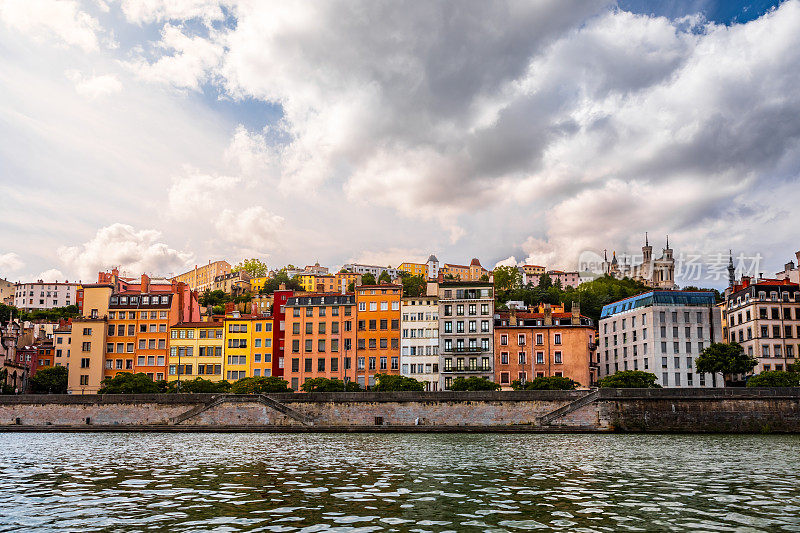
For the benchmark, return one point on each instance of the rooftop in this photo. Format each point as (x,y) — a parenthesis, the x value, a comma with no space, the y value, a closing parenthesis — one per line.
(648,299)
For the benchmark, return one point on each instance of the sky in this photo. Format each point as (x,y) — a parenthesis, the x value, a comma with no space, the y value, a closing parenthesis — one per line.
(158,136)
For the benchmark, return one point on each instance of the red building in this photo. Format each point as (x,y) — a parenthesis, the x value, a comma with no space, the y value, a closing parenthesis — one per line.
(279,299)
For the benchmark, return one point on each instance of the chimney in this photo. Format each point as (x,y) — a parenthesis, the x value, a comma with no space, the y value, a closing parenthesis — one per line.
(548,315)
(282,287)
(254,308)
(745,281)
(512,317)
(145,283)
(576,313)
(229,307)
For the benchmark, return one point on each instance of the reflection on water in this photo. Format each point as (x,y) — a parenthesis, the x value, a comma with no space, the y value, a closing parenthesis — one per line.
(385,482)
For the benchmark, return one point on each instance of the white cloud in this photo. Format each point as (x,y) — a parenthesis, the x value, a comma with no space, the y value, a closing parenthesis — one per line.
(147,11)
(120,245)
(253,228)
(196,195)
(94,86)
(59,20)
(188,66)
(509,261)
(52,275)
(10,262)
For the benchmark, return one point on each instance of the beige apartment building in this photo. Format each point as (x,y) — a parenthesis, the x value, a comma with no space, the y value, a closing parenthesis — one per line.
(201,278)
(764,317)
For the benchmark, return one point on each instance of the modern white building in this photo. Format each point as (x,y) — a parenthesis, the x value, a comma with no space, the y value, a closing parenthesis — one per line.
(661,332)
(433,267)
(41,295)
(419,341)
(375,270)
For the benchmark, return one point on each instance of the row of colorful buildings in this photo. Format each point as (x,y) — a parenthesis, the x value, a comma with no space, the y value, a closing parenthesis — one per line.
(157,327)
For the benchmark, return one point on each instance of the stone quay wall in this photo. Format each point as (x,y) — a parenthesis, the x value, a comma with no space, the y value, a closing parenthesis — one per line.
(605,410)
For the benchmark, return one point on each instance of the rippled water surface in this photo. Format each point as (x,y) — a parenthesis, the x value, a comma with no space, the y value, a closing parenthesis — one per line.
(323,482)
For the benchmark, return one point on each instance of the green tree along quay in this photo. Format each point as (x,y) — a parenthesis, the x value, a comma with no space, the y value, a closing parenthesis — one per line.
(260,385)
(546,383)
(128,383)
(323,385)
(51,380)
(368,279)
(507,278)
(195,386)
(725,359)
(473,383)
(413,286)
(255,267)
(387,382)
(630,379)
(775,378)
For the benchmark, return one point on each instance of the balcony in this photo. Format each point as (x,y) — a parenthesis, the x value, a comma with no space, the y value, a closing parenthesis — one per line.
(465,349)
(592,346)
(476,370)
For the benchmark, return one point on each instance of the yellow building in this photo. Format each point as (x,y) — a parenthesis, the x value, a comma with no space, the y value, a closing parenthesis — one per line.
(257,284)
(196,350)
(86,359)
(202,278)
(346,278)
(319,282)
(247,346)
(415,269)
(533,270)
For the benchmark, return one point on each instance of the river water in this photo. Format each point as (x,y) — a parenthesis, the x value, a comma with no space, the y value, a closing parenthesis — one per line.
(395,482)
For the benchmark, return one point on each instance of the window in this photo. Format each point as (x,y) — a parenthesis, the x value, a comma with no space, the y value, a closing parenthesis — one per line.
(85,362)
(557,358)
(557,338)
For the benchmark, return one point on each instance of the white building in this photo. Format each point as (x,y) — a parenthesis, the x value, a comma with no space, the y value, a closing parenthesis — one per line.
(790,271)
(433,267)
(419,341)
(41,295)
(661,332)
(375,270)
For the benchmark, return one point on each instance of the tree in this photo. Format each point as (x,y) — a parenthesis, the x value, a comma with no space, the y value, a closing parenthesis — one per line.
(214,298)
(506,278)
(127,383)
(384,277)
(387,382)
(255,267)
(630,379)
(323,385)
(274,283)
(723,358)
(200,385)
(775,378)
(260,385)
(368,279)
(545,281)
(717,295)
(484,277)
(52,380)
(546,383)
(473,383)
(413,285)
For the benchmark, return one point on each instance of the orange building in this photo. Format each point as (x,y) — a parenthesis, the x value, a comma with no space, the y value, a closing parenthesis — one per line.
(139,317)
(546,342)
(378,335)
(473,272)
(319,337)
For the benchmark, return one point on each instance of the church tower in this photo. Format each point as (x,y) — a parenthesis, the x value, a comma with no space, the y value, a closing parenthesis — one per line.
(731,271)
(646,270)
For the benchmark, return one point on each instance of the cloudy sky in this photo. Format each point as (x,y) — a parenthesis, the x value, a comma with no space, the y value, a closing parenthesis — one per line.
(157,136)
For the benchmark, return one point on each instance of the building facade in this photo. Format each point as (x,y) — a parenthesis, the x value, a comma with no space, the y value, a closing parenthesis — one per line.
(764,317)
(791,272)
(196,350)
(320,338)
(662,332)
(466,330)
(7,292)
(41,295)
(280,299)
(233,283)
(419,342)
(414,269)
(375,270)
(378,332)
(547,342)
(201,278)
